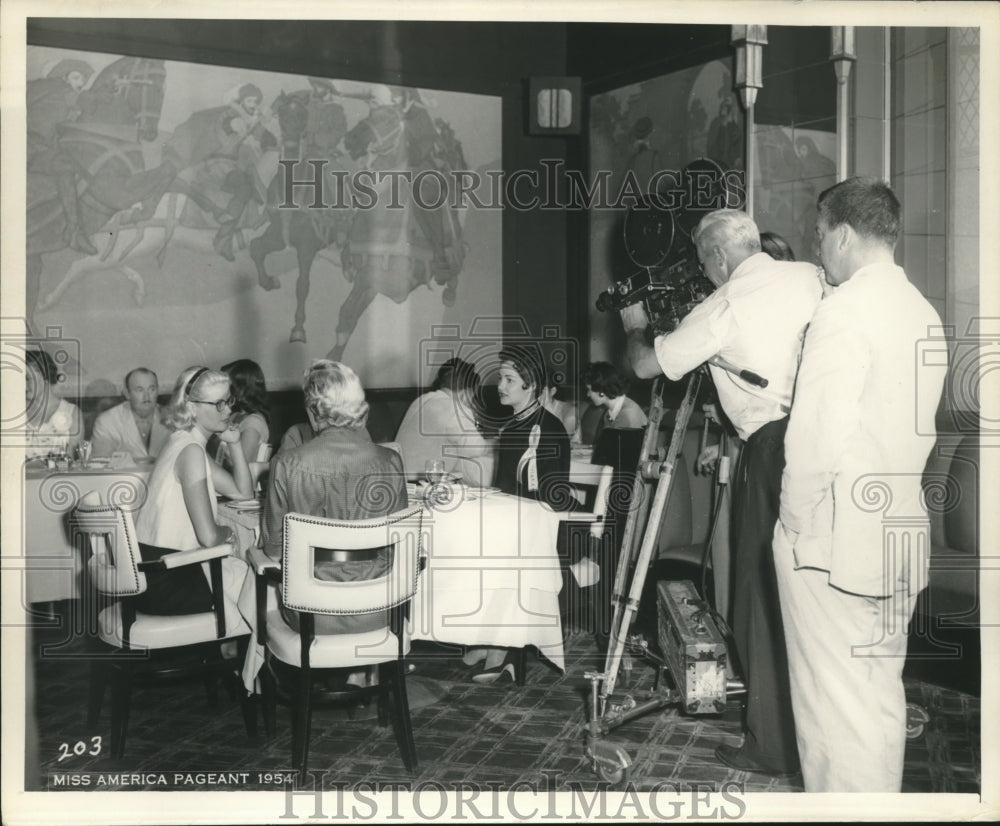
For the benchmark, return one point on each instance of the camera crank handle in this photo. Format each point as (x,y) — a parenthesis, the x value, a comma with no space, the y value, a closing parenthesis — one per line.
(752,378)
(747,375)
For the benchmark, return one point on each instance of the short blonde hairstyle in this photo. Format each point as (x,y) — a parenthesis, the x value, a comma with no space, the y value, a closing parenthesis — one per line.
(192,385)
(729,226)
(334,395)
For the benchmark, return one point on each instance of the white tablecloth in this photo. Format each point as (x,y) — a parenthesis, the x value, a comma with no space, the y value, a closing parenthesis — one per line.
(492,575)
(52,564)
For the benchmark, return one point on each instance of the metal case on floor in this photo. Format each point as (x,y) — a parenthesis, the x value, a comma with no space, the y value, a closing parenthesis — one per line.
(692,647)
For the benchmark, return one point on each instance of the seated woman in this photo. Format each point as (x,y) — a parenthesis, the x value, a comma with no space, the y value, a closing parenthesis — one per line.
(533,459)
(338,474)
(776,246)
(441,424)
(180,509)
(565,411)
(54,426)
(250,414)
(606,388)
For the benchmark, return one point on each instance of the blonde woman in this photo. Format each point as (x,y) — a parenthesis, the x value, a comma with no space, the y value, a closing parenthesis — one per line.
(180,509)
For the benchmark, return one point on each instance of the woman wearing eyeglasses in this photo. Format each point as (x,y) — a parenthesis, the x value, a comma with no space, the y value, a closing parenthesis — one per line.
(180,508)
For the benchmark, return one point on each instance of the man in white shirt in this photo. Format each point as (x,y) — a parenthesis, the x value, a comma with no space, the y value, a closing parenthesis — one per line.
(134,425)
(755,320)
(851,549)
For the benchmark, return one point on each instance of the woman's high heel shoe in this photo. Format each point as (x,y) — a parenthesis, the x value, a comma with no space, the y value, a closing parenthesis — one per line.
(491,675)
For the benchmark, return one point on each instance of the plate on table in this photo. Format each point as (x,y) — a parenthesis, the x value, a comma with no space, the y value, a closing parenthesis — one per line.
(446,479)
(481,493)
(245,504)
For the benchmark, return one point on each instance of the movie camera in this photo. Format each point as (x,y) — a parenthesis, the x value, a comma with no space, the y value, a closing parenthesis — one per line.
(657,238)
(666,302)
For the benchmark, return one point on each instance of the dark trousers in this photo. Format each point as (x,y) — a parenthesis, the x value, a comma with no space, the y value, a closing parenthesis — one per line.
(175,591)
(757,627)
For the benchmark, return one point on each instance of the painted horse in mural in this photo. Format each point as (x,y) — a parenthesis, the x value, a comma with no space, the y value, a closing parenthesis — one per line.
(205,200)
(311,130)
(127,241)
(100,150)
(407,238)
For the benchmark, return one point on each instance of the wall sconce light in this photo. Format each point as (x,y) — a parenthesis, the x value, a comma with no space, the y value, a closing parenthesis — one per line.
(749,42)
(843,54)
(554,105)
(842,51)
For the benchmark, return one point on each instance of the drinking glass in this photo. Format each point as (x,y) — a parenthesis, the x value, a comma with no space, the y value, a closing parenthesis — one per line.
(83,451)
(434,471)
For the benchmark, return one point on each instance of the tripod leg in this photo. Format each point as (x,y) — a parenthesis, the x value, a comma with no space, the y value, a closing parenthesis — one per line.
(624,617)
(638,507)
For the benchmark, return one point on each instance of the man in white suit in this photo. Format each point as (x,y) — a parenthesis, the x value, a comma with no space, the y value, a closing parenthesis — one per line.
(852,542)
(134,425)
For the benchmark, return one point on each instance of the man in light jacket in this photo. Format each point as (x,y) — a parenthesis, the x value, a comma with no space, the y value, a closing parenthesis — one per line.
(134,425)
(852,544)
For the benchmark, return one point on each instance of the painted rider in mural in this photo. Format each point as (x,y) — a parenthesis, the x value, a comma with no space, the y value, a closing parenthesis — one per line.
(52,101)
(424,151)
(725,135)
(644,158)
(218,150)
(327,122)
(247,133)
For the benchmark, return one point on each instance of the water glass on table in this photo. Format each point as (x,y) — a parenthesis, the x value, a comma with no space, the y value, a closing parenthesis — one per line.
(83,451)
(434,470)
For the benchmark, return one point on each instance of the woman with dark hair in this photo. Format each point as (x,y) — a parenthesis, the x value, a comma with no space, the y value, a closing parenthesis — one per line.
(250,413)
(441,424)
(180,509)
(565,411)
(606,388)
(533,459)
(53,425)
(533,449)
(776,246)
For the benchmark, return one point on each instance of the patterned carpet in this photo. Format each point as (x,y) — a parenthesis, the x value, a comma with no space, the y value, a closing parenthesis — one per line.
(496,735)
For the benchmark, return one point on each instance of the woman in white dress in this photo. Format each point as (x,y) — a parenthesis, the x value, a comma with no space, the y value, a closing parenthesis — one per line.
(180,509)
(53,425)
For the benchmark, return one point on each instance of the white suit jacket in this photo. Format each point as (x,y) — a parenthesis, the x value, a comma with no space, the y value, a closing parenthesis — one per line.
(115,429)
(859,434)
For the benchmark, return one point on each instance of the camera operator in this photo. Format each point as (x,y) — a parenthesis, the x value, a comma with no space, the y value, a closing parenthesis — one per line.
(755,319)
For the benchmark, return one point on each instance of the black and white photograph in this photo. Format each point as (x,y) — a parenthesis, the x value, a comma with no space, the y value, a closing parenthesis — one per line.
(499,412)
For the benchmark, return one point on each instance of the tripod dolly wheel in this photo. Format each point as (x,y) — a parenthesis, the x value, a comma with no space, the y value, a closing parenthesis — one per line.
(917,719)
(610,762)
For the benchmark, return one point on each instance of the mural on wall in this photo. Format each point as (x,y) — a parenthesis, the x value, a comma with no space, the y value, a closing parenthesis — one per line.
(668,122)
(163,227)
(794,165)
(664,123)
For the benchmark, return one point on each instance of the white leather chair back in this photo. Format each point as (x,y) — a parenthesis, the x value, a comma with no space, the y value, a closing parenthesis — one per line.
(114,549)
(582,475)
(301,590)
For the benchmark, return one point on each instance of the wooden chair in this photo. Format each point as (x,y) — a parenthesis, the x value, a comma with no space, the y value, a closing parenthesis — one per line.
(260,466)
(117,571)
(586,577)
(303,653)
